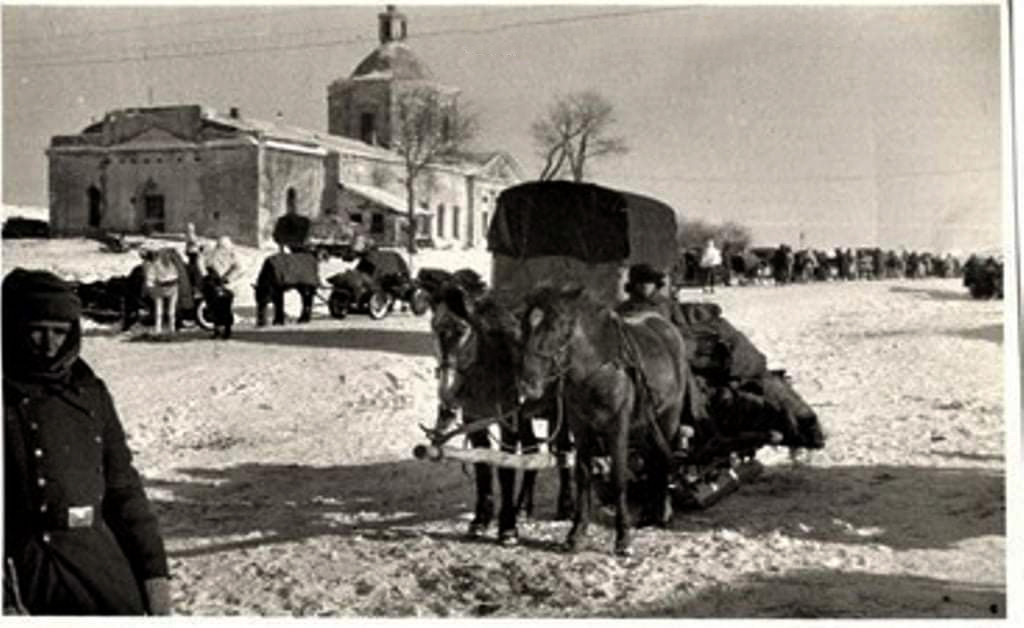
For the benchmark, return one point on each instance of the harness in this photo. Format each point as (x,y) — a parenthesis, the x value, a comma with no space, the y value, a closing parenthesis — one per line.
(629,360)
(632,363)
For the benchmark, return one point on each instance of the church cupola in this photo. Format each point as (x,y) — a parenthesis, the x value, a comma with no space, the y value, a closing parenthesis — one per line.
(361,106)
(392,25)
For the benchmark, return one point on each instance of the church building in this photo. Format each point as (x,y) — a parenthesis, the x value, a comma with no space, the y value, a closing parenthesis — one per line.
(156,169)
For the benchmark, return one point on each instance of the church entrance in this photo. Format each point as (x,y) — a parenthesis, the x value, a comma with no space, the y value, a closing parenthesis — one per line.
(154,213)
(95,206)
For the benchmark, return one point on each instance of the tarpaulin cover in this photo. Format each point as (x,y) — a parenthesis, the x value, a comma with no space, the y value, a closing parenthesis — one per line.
(560,231)
(378,264)
(590,223)
(578,220)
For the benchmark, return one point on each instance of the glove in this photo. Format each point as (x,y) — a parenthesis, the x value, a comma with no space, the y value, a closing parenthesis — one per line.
(158,596)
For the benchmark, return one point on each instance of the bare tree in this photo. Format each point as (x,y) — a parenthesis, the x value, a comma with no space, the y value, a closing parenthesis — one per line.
(429,129)
(573,131)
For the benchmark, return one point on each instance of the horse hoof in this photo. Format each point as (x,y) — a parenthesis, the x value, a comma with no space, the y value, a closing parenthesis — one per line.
(476,530)
(508,538)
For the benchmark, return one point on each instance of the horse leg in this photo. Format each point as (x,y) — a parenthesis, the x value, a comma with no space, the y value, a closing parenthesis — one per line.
(261,305)
(524,503)
(484,489)
(307,303)
(174,321)
(277,296)
(563,444)
(507,533)
(620,452)
(581,514)
(158,313)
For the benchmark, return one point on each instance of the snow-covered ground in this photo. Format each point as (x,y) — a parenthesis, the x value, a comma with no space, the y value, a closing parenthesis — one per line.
(279,464)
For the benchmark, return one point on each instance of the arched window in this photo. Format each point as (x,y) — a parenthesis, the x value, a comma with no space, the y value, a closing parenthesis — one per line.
(290,201)
(455,222)
(95,198)
(440,220)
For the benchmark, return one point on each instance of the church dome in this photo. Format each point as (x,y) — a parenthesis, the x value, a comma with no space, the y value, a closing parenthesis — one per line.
(392,59)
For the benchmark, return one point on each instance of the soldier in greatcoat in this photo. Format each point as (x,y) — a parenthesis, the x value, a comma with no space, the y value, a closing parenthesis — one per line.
(79,535)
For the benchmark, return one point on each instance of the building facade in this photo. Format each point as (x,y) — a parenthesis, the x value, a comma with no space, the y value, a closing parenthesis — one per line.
(156,169)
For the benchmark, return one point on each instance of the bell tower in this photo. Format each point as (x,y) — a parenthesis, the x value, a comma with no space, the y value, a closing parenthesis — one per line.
(361,105)
(392,25)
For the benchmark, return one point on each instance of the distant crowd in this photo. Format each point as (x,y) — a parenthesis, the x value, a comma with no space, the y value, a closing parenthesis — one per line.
(783,265)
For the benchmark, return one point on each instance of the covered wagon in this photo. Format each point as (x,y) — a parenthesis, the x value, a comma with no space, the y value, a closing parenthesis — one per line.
(559,231)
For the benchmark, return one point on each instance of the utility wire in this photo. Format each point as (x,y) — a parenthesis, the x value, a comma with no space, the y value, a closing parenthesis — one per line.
(153,25)
(348,41)
(62,55)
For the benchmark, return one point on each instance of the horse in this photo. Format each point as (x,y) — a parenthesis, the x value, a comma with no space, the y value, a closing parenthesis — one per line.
(782,265)
(477,343)
(619,374)
(282,272)
(161,276)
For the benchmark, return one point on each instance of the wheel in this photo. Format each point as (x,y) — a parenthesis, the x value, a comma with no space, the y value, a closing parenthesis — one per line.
(420,302)
(204,317)
(338,304)
(380,304)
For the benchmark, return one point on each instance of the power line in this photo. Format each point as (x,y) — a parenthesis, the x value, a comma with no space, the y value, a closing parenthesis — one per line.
(154,25)
(342,42)
(60,55)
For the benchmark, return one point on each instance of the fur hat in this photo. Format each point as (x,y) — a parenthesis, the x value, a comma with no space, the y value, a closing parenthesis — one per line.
(36,295)
(645,273)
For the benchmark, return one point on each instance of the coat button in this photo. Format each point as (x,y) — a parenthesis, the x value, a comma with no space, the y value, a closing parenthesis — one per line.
(34,425)
(46,537)
(41,482)
(39,453)
(44,508)
(99,439)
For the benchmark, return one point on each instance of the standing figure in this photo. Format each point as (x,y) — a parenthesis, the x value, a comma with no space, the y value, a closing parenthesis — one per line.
(221,268)
(292,230)
(79,535)
(710,260)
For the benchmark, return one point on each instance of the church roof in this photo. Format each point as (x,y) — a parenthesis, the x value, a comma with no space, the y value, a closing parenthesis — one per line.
(392,60)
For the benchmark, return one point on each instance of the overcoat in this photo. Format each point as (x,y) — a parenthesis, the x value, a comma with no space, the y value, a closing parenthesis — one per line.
(78,529)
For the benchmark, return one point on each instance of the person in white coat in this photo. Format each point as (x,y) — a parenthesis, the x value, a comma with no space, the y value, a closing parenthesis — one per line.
(710,260)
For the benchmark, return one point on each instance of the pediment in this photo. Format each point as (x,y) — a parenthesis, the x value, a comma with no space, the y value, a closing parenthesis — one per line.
(502,167)
(154,135)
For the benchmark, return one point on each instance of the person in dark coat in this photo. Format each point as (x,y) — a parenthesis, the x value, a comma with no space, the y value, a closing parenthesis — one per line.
(643,293)
(79,535)
(292,231)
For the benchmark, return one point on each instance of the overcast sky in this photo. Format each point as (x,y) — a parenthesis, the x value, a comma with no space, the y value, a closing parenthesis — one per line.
(851,125)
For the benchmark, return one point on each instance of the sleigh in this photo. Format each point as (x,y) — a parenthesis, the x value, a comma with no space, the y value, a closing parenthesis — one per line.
(561,232)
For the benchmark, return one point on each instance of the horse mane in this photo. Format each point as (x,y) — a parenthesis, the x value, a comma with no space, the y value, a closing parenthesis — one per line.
(562,300)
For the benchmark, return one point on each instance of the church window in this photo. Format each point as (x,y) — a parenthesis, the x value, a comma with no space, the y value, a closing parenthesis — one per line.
(377,223)
(483,221)
(95,206)
(440,220)
(291,204)
(455,222)
(366,128)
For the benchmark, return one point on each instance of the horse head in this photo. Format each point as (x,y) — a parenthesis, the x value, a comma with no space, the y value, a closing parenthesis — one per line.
(456,342)
(551,318)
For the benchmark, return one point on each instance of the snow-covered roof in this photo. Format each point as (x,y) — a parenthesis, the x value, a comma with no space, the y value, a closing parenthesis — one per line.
(382,197)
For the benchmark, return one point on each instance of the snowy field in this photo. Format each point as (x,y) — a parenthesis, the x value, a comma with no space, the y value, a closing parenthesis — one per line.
(279,464)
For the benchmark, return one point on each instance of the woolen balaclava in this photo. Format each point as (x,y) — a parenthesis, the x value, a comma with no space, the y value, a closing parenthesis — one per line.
(37,295)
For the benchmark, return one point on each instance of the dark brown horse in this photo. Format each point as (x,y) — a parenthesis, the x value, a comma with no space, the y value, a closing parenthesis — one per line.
(624,378)
(478,351)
